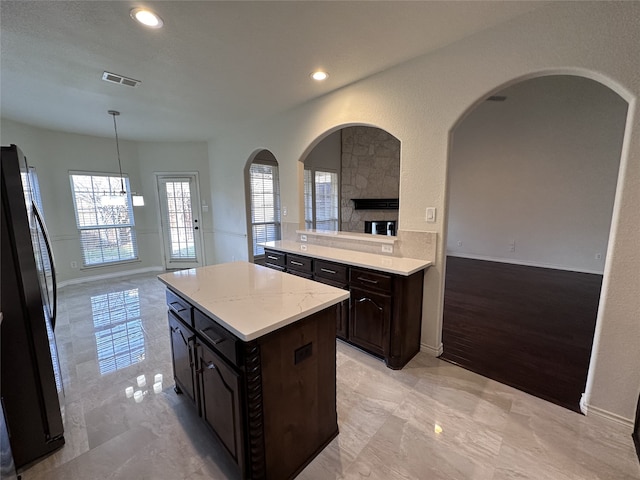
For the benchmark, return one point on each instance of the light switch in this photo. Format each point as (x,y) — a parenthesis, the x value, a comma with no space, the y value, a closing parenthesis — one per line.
(431,214)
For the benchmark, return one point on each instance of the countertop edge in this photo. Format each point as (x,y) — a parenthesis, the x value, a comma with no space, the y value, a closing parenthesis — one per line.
(262,331)
(420,264)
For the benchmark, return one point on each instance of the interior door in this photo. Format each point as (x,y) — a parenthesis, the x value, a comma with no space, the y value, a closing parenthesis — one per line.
(179,215)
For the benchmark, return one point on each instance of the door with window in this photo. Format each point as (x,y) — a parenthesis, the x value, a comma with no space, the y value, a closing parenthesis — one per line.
(179,215)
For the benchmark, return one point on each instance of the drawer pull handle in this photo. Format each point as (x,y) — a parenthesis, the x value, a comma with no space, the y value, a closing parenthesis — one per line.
(216,341)
(176,309)
(293,262)
(271,257)
(326,270)
(368,280)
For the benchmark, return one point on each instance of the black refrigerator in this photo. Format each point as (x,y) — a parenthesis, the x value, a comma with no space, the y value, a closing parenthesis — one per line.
(31,384)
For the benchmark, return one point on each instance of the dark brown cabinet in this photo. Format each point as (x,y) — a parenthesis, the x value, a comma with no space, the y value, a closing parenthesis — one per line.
(220,402)
(384,312)
(182,343)
(271,402)
(370,321)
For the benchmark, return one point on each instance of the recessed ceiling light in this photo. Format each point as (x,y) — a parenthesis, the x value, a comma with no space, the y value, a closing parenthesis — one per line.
(146,17)
(319,75)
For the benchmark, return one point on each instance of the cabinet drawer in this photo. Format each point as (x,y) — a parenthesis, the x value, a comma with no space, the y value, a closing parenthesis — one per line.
(368,279)
(306,275)
(330,271)
(301,264)
(180,307)
(275,258)
(218,337)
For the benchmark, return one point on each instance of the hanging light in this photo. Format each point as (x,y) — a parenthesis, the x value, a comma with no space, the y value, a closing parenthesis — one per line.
(115,198)
(114,114)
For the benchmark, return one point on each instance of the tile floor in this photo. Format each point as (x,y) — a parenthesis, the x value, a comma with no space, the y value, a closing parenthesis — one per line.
(431,420)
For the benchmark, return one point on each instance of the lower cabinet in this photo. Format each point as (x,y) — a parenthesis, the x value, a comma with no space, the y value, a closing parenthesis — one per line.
(182,343)
(370,321)
(271,402)
(384,312)
(220,403)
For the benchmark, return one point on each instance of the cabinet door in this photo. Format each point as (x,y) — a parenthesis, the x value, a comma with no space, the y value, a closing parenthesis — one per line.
(182,357)
(342,320)
(220,400)
(370,320)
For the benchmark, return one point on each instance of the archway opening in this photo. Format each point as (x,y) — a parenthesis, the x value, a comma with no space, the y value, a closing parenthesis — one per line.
(346,175)
(531,186)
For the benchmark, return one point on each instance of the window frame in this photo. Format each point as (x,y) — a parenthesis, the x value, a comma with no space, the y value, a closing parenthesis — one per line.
(311,184)
(97,227)
(277,208)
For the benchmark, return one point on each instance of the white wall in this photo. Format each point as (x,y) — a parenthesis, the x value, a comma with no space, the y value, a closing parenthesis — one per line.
(55,153)
(326,154)
(420,102)
(539,169)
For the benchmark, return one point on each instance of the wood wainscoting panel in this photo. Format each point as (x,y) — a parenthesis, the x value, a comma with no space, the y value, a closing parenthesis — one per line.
(528,327)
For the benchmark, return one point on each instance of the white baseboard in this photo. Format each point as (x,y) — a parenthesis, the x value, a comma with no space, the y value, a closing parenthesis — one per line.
(106,276)
(590,410)
(435,352)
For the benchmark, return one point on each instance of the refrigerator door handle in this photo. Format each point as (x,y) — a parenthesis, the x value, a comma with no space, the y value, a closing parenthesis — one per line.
(45,236)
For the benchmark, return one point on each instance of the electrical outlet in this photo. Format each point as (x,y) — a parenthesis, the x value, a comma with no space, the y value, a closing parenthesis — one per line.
(459,243)
(74,264)
(387,248)
(284,211)
(303,238)
(598,256)
(303,248)
(512,245)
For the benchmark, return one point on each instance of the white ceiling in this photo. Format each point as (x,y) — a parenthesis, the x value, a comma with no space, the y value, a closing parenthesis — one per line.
(215,65)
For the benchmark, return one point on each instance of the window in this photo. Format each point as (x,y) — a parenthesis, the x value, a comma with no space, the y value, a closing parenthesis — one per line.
(104,218)
(265,203)
(31,186)
(321,199)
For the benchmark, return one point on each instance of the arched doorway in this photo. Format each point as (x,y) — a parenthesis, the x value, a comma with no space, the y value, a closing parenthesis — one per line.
(532,178)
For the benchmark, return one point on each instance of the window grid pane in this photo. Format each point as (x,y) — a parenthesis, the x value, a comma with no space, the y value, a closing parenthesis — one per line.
(180,220)
(104,219)
(265,204)
(326,191)
(308,199)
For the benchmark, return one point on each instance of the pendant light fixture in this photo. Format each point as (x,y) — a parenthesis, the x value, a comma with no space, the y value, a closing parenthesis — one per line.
(120,198)
(114,114)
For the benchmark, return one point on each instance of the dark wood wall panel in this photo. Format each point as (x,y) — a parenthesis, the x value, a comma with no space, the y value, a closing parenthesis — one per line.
(528,327)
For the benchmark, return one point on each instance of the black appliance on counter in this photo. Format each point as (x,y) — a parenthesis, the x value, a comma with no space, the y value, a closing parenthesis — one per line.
(380,227)
(31,385)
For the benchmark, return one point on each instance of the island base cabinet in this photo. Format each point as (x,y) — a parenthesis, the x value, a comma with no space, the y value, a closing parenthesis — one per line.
(271,401)
(182,341)
(299,393)
(220,401)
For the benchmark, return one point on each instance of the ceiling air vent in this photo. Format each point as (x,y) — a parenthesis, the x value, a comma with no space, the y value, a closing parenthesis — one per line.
(119,79)
(496,98)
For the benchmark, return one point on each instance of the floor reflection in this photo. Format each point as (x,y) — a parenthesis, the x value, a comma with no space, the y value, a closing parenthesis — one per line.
(118,330)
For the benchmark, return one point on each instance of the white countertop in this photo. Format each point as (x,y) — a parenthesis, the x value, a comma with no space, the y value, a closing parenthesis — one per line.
(384,263)
(250,300)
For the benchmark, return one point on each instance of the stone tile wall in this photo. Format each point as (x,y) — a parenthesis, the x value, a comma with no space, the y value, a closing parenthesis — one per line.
(370,169)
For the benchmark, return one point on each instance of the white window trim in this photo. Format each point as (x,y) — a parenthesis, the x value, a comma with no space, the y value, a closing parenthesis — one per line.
(278,209)
(131,225)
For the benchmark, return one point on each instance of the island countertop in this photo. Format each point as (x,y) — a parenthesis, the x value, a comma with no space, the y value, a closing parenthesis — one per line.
(250,300)
(383,263)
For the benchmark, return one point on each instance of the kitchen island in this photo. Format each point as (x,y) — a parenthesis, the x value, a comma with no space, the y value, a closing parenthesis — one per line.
(254,351)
